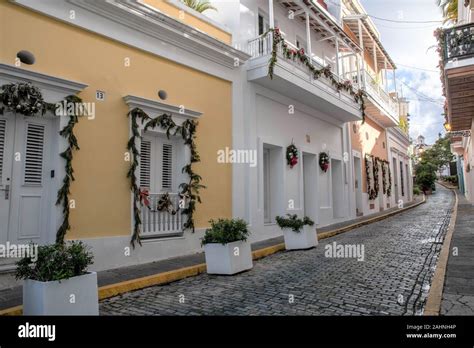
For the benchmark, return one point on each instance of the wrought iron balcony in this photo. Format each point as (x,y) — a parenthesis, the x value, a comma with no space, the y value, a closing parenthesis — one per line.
(459,42)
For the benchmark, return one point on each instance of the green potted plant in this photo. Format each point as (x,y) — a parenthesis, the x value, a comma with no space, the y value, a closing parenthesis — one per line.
(56,281)
(226,248)
(298,233)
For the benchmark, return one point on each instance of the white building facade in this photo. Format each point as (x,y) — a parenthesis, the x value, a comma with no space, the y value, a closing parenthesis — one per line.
(292,108)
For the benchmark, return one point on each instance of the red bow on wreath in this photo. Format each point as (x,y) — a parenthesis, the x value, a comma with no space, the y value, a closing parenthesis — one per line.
(144,197)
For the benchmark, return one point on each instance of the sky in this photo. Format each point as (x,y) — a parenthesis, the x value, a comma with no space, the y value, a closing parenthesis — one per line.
(413,45)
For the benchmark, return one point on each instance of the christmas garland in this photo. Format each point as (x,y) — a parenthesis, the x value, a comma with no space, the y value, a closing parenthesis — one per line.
(27,100)
(63,194)
(441,38)
(292,155)
(188,191)
(372,192)
(290,53)
(387,188)
(375,170)
(324,161)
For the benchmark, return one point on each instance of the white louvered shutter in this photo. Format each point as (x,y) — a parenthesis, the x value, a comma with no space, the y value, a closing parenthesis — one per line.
(167,167)
(3,126)
(145,164)
(33,174)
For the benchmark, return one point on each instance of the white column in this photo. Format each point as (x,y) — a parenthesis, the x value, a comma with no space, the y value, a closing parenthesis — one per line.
(359,77)
(362,60)
(375,59)
(337,56)
(308,36)
(270,12)
(385,73)
(394,80)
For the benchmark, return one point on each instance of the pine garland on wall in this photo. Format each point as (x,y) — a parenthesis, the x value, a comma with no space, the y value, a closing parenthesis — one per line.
(63,194)
(290,53)
(375,171)
(189,191)
(372,192)
(27,100)
(387,187)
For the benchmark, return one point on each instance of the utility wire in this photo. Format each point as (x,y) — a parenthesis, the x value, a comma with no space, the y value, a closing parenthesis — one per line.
(421,95)
(387,19)
(400,21)
(415,68)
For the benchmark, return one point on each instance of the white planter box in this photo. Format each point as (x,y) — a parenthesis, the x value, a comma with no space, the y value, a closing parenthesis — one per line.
(55,297)
(304,239)
(229,258)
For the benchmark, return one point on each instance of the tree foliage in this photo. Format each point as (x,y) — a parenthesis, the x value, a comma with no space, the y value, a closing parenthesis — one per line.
(199,5)
(425,175)
(439,154)
(450,10)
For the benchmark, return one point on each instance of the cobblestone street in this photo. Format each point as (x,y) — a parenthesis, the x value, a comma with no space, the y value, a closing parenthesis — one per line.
(393,279)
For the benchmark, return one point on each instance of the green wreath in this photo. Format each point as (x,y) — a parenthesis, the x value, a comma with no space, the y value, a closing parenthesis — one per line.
(324,161)
(292,155)
(27,100)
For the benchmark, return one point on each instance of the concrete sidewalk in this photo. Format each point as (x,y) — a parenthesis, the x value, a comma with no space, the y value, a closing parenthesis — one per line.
(458,293)
(191,264)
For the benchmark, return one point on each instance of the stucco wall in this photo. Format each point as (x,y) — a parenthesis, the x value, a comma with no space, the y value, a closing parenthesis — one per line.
(101,189)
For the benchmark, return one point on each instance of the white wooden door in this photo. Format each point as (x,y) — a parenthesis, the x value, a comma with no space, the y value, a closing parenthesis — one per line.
(26,172)
(7,131)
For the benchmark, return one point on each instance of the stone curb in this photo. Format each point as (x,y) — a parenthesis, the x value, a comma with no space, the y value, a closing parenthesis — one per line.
(435,296)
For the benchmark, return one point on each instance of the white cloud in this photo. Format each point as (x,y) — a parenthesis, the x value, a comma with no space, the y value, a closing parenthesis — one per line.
(413,45)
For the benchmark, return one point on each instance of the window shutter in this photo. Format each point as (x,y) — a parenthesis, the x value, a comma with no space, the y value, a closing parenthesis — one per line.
(145,163)
(167,167)
(33,174)
(3,126)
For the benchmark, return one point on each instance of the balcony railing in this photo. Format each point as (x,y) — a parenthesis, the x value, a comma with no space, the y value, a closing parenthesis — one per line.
(459,42)
(263,46)
(374,89)
(161,223)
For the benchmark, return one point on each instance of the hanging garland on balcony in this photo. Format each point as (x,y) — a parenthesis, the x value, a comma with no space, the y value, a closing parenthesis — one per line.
(189,191)
(300,55)
(371,191)
(27,100)
(324,161)
(441,38)
(292,155)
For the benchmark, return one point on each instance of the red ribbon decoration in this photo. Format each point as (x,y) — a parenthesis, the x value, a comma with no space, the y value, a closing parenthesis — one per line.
(144,197)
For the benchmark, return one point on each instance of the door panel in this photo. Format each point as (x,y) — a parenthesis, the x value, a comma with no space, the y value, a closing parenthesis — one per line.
(31,204)
(7,131)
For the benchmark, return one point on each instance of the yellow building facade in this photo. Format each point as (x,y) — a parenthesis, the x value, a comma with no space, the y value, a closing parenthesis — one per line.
(112,68)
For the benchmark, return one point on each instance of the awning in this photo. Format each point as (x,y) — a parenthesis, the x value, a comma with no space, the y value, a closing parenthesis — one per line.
(322,22)
(370,40)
